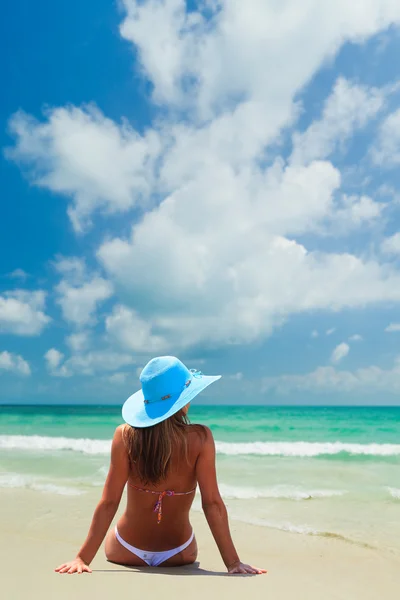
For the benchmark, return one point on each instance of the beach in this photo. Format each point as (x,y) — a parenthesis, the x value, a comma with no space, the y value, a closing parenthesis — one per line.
(40,530)
(313,496)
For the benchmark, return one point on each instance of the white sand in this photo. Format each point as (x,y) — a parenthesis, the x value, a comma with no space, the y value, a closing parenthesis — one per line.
(39,531)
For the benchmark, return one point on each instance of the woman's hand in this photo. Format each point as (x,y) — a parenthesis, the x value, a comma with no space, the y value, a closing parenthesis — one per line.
(239,567)
(74,566)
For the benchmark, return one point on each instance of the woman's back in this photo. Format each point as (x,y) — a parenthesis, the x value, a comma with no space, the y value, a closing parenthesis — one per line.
(161,458)
(157,515)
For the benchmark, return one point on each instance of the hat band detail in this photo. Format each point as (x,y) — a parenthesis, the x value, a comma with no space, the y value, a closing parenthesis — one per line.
(168,396)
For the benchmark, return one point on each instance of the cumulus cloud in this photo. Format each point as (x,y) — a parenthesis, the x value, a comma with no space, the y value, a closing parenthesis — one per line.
(235,287)
(94,362)
(81,154)
(340,352)
(118,378)
(236,376)
(71,268)
(78,341)
(132,332)
(353,211)
(391,245)
(393,327)
(356,338)
(53,358)
(14,363)
(80,293)
(350,107)
(78,304)
(386,152)
(369,379)
(229,49)
(220,253)
(19,274)
(220,74)
(22,312)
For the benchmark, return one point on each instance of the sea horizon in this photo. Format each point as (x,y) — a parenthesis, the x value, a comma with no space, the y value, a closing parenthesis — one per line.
(210,405)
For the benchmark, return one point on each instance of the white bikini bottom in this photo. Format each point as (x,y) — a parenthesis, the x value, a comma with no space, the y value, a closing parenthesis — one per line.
(153,559)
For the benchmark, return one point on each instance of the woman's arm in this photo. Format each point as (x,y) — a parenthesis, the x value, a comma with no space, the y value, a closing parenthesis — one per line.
(106,508)
(215,509)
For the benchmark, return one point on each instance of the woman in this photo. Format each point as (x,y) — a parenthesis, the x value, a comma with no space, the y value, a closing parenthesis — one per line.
(162,457)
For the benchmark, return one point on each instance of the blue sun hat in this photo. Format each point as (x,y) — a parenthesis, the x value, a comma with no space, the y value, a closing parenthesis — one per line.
(167,386)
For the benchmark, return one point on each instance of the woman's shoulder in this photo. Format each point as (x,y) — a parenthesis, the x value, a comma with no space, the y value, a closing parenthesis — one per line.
(120,435)
(119,430)
(200,433)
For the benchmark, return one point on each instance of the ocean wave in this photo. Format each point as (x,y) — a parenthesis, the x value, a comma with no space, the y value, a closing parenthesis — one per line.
(305,449)
(290,449)
(394,492)
(302,530)
(42,443)
(17,480)
(277,492)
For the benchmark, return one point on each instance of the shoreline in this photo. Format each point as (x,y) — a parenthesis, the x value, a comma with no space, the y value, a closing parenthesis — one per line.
(40,530)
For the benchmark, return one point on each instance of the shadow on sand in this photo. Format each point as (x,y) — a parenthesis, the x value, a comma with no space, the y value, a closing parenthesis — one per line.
(191,570)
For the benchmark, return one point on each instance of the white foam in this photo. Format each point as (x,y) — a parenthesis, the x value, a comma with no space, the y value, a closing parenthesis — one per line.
(305,449)
(41,443)
(277,492)
(294,449)
(17,480)
(395,493)
(285,526)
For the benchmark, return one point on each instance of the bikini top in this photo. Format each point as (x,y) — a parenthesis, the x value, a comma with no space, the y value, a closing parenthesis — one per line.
(161,495)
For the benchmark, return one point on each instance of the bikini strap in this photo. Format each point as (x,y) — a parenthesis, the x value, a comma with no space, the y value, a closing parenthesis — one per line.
(161,495)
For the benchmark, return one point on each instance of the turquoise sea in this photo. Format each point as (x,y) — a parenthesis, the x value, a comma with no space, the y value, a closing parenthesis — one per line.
(313,471)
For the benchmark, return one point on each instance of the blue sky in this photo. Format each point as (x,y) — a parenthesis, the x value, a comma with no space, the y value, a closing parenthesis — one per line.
(217,181)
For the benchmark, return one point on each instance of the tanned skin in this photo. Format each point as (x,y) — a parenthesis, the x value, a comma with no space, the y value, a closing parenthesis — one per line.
(138,524)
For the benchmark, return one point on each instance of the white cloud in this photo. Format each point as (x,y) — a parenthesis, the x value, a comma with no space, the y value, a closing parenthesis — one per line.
(233,54)
(370,379)
(118,378)
(79,293)
(78,341)
(234,287)
(235,58)
(386,151)
(132,332)
(80,153)
(53,358)
(19,274)
(314,333)
(71,268)
(78,304)
(348,108)
(236,376)
(356,338)
(340,352)
(393,327)
(90,363)
(356,211)
(97,361)
(216,258)
(14,363)
(391,245)
(330,331)
(22,312)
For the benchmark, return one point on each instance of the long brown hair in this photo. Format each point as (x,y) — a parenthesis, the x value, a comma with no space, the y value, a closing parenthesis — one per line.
(151,448)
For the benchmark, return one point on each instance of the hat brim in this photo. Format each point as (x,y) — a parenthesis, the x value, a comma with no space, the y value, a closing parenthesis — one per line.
(138,414)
